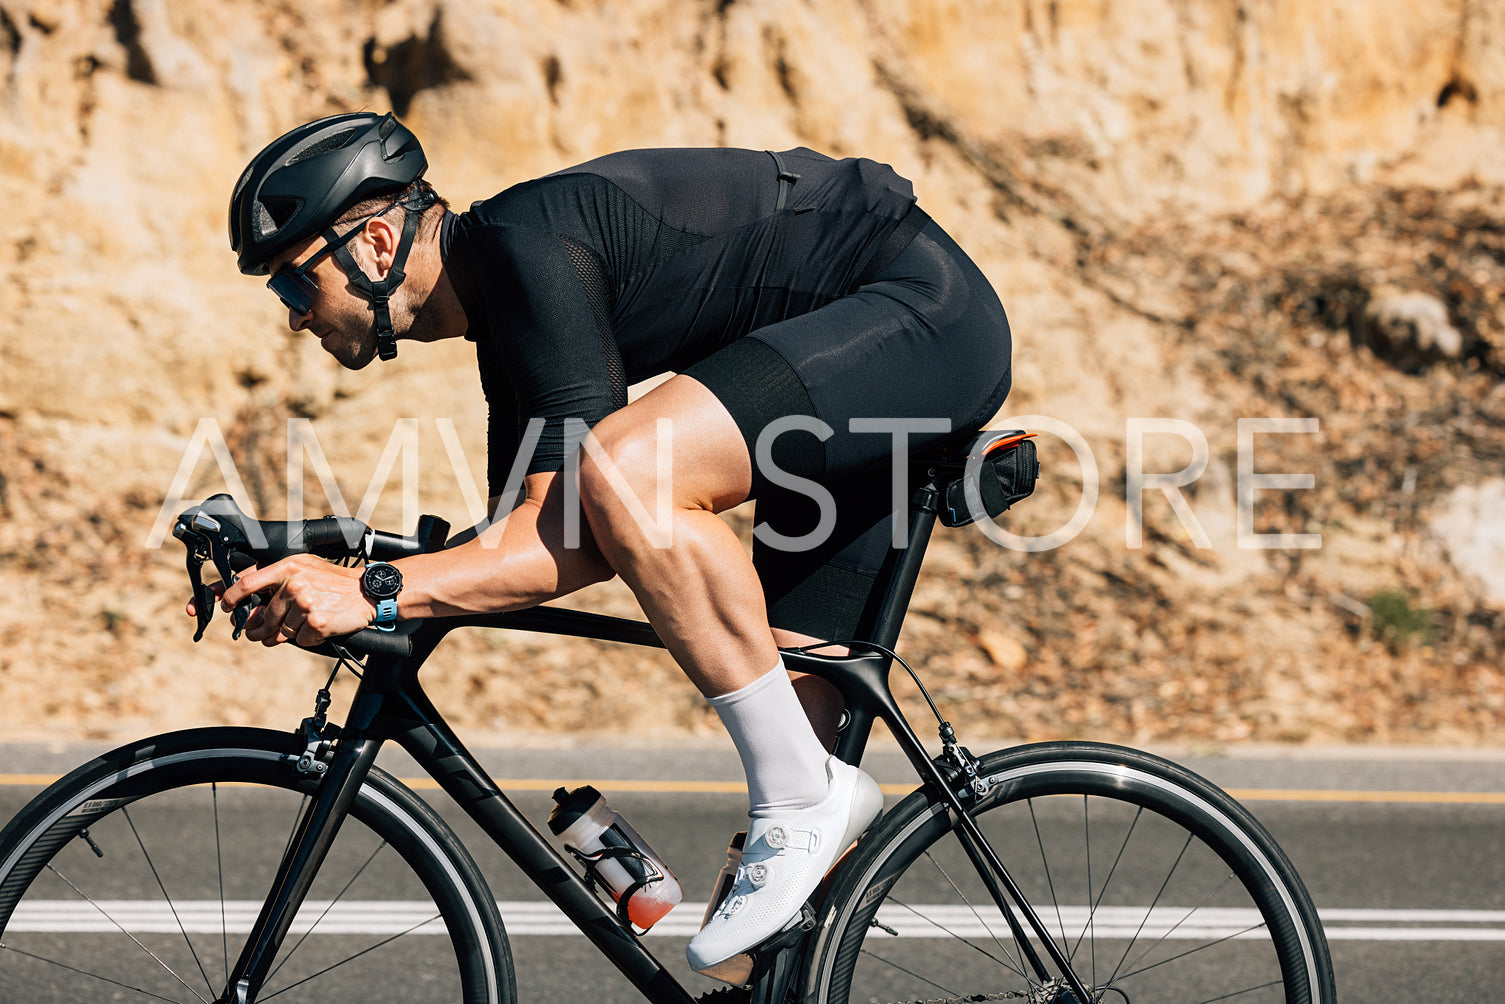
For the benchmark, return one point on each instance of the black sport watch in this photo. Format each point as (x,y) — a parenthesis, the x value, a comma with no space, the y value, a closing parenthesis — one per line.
(381,583)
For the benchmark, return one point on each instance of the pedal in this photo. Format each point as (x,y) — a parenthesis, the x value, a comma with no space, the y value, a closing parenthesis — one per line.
(774,961)
(740,969)
(737,971)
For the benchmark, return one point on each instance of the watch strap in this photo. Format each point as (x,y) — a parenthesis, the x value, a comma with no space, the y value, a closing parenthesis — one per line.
(386,614)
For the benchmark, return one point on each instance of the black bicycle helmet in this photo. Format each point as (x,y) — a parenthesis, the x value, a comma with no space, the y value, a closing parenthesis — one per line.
(306,178)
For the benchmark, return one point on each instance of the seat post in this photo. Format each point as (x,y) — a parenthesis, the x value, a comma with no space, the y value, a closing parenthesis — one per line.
(901,569)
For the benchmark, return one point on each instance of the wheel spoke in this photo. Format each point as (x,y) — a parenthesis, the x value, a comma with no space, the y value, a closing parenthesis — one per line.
(167,898)
(1092,904)
(909,972)
(329,906)
(1014,962)
(1151,910)
(1191,951)
(1240,993)
(1096,902)
(1045,869)
(352,958)
(1009,963)
(1133,967)
(219,868)
(119,927)
(93,976)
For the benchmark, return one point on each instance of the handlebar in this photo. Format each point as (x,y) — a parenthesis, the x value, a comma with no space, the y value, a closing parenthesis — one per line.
(218,532)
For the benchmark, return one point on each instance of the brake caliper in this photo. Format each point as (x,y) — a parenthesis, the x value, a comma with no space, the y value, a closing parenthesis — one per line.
(960,764)
(319,735)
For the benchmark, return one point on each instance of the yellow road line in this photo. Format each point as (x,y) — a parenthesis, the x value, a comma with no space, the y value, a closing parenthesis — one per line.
(1404,797)
(737,787)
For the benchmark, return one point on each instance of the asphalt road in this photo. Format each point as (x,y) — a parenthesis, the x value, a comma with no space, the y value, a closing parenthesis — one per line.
(1401,850)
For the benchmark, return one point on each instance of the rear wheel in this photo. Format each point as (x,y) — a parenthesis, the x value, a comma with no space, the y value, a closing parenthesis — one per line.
(138,876)
(1156,885)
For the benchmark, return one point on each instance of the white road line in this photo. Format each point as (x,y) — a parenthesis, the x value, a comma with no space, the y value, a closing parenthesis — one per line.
(523,918)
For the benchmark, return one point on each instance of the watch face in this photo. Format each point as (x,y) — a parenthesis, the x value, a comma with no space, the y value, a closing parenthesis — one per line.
(381,582)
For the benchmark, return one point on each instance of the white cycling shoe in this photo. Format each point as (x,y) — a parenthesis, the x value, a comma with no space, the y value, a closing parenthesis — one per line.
(783,861)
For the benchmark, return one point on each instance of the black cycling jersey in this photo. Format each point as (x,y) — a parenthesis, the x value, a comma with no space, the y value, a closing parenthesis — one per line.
(638,263)
(788,284)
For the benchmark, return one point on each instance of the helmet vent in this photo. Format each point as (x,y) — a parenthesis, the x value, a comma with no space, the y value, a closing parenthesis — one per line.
(280,210)
(265,225)
(323,146)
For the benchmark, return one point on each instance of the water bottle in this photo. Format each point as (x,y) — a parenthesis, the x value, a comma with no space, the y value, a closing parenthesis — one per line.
(615,856)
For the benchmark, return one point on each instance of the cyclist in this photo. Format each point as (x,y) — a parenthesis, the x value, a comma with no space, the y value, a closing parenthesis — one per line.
(788,293)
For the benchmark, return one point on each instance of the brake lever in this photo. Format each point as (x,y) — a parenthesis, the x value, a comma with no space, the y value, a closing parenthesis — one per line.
(210,539)
(242,613)
(204,600)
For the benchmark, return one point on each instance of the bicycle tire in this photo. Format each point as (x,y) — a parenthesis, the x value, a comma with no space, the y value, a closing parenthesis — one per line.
(1157,885)
(121,879)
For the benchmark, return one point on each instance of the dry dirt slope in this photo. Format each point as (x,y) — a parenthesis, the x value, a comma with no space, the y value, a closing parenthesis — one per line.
(1190,210)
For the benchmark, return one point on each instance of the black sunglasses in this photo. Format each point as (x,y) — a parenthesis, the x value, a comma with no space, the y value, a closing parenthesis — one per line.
(295,287)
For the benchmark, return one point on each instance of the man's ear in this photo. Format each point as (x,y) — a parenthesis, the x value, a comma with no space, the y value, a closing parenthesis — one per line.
(382,238)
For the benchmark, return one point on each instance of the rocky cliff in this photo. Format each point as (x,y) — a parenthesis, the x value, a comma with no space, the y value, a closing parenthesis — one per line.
(1197,214)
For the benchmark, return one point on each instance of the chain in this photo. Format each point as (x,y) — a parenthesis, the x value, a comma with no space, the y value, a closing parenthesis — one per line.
(975,998)
(739,995)
(1038,995)
(1044,994)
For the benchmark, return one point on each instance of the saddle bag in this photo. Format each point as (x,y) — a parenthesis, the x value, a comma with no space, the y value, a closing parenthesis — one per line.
(1005,474)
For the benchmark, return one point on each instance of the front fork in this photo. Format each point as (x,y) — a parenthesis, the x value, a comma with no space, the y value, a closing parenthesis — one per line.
(341,778)
(961,766)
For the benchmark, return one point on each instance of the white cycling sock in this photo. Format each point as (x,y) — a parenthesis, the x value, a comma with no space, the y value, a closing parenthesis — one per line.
(784,762)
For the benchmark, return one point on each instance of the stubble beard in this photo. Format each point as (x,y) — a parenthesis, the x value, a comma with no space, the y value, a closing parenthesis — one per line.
(353,352)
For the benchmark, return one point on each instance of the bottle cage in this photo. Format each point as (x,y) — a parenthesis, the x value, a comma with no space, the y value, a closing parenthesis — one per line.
(594,860)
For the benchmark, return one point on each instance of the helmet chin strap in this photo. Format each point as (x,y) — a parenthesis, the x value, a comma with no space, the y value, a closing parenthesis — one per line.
(379,291)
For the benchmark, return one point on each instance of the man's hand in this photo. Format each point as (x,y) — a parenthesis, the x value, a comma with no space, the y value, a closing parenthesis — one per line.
(312,601)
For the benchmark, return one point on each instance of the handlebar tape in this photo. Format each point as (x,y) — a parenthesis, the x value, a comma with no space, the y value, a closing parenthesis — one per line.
(370,641)
(338,535)
(333,537)
(330,537)
(387,546)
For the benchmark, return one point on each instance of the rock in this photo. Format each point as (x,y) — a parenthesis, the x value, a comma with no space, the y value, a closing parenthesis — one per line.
(1409,330)
(1468,524)
(1037,133)
(1003,651)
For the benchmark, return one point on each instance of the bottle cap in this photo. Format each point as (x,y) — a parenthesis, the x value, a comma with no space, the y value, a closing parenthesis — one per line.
(571,805)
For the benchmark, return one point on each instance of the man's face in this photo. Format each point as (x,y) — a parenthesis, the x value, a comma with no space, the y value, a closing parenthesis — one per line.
(340,318)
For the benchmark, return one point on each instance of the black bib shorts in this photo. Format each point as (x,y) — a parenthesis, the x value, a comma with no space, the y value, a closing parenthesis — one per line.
(808,294)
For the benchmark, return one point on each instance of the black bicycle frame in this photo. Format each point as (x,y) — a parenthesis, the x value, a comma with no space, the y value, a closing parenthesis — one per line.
(390,704)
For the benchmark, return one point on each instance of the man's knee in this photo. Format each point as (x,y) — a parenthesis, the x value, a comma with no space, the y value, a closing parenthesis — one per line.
(623,477)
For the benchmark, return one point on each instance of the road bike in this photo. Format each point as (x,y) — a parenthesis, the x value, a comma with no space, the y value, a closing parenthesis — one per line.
(1051,873)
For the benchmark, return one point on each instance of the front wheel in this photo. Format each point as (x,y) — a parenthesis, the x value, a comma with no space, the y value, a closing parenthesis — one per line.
(137,877)
(1156,885)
